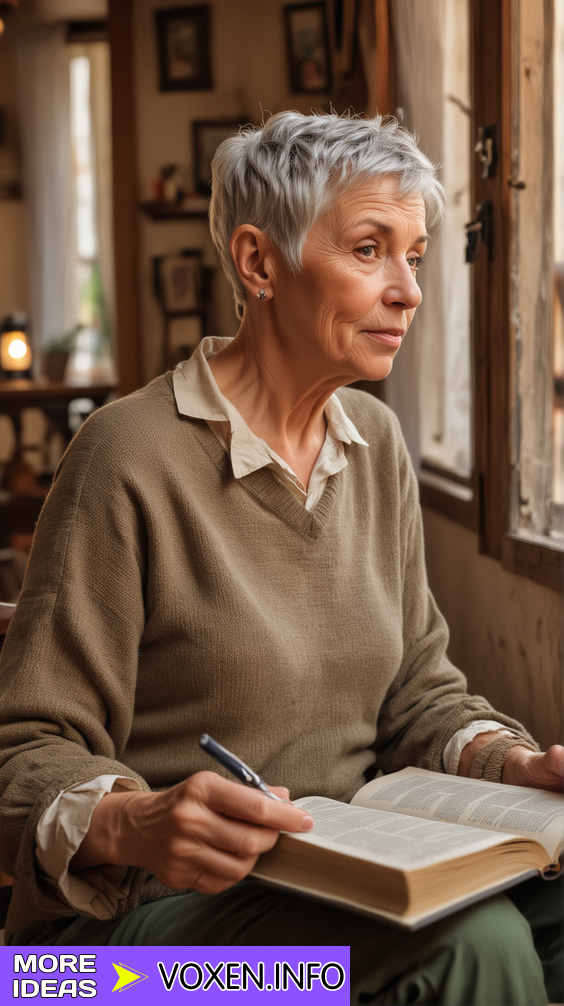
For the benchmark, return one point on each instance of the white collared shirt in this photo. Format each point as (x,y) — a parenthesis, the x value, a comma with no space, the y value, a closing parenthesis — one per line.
(198,396)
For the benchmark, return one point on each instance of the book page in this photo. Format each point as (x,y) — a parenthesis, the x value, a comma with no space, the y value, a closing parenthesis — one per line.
(394,840)
(531,813)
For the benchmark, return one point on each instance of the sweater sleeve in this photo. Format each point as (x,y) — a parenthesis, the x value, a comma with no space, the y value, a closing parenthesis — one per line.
(69,663)
(427,703)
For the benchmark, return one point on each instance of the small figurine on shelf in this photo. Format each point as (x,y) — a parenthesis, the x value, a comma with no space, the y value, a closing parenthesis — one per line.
(169,186)
(172,197)
(173,183)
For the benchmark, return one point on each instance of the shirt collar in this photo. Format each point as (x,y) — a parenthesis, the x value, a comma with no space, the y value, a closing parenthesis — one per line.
(195,388)
(198,396)
(339,425)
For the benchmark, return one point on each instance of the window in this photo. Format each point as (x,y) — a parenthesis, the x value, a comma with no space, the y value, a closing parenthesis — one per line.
(535,245)
(433,97)
(489,437)
(89,133)
(558,257)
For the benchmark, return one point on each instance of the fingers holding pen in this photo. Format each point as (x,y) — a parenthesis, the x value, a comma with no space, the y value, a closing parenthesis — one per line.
(205,833)
(263,815)
(208,825)
(237,818)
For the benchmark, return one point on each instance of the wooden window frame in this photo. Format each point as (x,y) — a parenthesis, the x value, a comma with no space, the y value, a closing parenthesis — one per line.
(485,506)
(125,197)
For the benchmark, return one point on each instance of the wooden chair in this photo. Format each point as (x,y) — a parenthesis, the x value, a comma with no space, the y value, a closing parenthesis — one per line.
(6,612)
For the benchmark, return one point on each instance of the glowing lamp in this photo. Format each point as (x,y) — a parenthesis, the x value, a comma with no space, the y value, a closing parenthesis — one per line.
(15,351)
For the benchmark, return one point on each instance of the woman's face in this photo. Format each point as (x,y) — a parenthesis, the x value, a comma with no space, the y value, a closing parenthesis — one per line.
(348,309)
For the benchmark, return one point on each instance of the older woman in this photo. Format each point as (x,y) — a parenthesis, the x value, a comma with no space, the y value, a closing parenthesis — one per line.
(237,549)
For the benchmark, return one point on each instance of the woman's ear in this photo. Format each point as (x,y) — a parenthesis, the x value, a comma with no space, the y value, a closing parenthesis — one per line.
(251,251)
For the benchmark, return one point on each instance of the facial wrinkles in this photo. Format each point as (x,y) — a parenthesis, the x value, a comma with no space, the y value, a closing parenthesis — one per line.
(354,289)
(394,228)
(327,311)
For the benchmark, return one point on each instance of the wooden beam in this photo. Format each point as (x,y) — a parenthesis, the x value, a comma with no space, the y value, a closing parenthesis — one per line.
(491,279)
(383,88)
(125,196)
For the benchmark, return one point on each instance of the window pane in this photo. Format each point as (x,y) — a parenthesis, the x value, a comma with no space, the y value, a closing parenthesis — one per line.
(558,290)
(89,78)
(82,156)
(432,45)
(536,170)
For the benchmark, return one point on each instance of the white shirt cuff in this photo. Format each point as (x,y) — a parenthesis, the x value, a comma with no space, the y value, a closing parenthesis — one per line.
(459,740)
(94,892)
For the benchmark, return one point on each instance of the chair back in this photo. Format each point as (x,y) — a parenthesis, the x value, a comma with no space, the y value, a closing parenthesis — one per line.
(6,613)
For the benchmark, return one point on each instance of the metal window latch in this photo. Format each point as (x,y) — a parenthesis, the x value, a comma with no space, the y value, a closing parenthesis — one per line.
(487,150)
(481,226)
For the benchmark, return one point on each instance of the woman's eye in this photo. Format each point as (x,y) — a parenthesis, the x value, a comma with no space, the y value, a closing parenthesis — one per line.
(415,262)
(366,250)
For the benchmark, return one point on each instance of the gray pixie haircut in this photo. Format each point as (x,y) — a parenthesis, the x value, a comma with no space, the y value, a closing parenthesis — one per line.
(283,176)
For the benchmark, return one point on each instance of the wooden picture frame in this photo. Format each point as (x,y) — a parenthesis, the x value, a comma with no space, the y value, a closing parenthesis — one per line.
(178,282)
(184,48)
(207,136)
(308,48)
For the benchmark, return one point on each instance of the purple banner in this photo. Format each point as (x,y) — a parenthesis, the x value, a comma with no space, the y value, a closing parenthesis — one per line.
(171,974)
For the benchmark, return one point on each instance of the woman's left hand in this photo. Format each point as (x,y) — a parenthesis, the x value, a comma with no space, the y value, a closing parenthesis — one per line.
(543,770)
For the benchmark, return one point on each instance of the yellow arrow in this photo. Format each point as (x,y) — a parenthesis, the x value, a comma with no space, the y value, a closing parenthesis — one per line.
(126,976)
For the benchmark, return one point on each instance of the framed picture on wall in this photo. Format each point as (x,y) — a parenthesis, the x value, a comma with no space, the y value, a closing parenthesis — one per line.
(207,136)
(184,44)
(178,282)
(308,47)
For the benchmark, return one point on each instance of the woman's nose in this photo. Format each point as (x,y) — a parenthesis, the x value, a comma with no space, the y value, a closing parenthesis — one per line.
(403,289)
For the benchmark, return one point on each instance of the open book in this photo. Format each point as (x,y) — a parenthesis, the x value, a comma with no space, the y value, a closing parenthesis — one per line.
(416,845)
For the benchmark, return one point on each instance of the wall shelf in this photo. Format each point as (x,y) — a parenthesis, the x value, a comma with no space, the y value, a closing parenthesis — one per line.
(173,211)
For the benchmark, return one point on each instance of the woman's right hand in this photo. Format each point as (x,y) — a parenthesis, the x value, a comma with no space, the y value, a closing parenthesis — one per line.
(206,833)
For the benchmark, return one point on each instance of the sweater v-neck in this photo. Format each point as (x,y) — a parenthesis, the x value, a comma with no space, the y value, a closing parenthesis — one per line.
(265,487)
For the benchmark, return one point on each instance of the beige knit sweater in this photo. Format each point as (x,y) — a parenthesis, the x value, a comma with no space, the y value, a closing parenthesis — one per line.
(164,599)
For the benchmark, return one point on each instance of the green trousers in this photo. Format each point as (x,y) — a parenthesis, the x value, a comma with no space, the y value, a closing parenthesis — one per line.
(506,951)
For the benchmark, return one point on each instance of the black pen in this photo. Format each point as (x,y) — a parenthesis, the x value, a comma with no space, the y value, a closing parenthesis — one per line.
(236,766)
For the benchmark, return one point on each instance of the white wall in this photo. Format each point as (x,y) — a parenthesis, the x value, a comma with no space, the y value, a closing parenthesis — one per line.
(506,630)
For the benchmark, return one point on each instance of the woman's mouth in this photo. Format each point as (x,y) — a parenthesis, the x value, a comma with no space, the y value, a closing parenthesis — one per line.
(387,336)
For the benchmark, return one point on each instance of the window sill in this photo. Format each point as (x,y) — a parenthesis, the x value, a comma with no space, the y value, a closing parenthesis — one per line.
(452,499)
(539,559)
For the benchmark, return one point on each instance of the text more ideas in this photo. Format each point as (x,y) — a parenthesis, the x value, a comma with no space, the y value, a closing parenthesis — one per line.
(54,988)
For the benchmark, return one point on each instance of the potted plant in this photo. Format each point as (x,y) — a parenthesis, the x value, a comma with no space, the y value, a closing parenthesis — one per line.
(56,352)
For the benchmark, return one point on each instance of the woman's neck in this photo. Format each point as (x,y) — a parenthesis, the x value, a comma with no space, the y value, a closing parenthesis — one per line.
(277,397)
